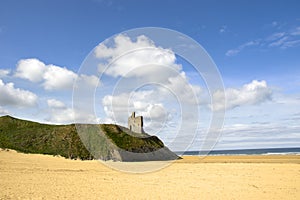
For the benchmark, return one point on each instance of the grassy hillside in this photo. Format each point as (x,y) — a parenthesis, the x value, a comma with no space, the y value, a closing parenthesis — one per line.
(129,143)
(32,137)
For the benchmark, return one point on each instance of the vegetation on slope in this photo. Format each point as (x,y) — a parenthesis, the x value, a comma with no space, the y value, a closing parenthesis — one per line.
(129,143)
(31,137)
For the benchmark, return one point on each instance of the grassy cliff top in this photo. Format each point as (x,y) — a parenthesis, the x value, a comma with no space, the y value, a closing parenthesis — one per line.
(123,138)
(32,137)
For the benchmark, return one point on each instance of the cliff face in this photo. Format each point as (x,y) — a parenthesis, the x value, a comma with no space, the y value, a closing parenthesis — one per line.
(83,141)
(133,146)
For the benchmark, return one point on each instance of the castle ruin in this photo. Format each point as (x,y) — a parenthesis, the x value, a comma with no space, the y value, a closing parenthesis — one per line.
(135,124)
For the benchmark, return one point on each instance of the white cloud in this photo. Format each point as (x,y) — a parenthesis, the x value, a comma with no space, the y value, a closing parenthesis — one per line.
(122,104)
(143,101)
(140,58)
(31,69)
(237,50)
(53,103)
(296,31)
(4,72)
(56,78)
(156,117)
(117,109)
(158,105)
(275,36)
(155,111)
(62,116)
(232,52)
(139,62)
(250,94)
(288,44)
(9,95)
(52,77)
(88,80)
(184,91)
(122,45)
(283,40)
(279,41)
(3,111)
(59,113)
(251,136)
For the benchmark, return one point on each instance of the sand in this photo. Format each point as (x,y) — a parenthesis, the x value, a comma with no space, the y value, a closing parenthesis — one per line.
(32,176)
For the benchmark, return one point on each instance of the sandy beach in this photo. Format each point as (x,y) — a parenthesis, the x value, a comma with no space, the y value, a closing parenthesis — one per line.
(33,176)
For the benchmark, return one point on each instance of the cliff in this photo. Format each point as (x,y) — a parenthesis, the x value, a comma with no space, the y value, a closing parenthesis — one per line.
(101,141)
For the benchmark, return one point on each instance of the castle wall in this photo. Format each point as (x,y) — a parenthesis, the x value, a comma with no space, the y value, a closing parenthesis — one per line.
(135,124)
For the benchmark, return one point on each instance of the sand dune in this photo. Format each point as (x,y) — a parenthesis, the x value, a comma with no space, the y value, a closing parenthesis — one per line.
(31,176)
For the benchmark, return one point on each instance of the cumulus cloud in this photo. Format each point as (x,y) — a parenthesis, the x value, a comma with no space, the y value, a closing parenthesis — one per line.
(159,107)
(140,58)
(88,80)
(117,107)
(62,116)
(9,95)
(143,102)
(53,103)
(150,102)
(31,69)
(135,62)
(52,77)
(4,72)
(184,91)
(250,94)
(58,78)
(60,113)
(122,45)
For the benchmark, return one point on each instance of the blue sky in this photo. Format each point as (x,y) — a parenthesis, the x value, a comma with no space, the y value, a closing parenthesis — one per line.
(253,43)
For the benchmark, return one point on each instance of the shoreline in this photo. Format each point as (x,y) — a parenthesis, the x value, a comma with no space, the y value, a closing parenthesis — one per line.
(243,159)
(270,158)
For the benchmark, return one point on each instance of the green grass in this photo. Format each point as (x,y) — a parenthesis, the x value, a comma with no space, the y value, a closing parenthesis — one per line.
(31,137)
(129,143)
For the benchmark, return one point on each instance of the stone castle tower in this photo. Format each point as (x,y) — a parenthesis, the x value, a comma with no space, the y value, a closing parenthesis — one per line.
(135,124)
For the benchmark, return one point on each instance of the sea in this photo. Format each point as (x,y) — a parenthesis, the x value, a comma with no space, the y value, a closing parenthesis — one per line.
(268,151)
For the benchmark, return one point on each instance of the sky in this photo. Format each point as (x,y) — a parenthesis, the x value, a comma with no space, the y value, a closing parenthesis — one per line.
(46,45)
